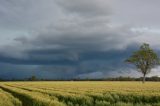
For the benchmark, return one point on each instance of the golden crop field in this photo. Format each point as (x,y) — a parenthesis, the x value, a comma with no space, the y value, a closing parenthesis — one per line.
(87,93)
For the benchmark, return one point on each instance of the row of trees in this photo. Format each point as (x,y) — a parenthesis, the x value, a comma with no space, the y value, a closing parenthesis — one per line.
(121,78)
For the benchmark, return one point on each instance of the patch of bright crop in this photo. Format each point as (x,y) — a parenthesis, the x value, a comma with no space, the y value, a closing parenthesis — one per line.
(87,93)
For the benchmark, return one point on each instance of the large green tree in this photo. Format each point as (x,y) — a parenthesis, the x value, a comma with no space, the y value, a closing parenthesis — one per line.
(144,59)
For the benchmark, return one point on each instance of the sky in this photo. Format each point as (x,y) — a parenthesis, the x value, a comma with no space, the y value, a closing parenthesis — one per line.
(63,39)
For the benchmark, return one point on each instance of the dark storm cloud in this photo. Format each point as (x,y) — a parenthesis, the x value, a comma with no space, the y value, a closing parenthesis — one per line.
(88,65)
(73,38)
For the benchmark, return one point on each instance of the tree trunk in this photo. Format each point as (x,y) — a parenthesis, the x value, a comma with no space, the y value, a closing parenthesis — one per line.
(144,78)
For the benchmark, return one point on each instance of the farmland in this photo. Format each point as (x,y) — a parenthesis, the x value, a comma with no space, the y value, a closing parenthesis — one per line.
(71,93)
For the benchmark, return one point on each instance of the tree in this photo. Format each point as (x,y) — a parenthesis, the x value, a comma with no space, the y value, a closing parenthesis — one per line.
(32,78)
(144,59)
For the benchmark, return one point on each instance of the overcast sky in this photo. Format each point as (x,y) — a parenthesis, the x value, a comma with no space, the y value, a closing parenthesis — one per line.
(75,38)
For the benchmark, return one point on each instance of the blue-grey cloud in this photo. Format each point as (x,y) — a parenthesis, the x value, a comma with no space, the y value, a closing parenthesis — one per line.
(70,39)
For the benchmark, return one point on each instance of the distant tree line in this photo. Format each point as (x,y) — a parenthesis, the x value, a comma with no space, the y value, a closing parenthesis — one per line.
(34,78)
(153,78)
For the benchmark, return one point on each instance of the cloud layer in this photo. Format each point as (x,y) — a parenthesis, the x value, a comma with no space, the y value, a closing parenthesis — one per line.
(55,38)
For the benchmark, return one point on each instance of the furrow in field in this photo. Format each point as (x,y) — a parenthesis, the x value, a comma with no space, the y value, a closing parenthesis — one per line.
(95,93)
(67,98)
(95,98)
(47,89)
(29,98)
(7,99)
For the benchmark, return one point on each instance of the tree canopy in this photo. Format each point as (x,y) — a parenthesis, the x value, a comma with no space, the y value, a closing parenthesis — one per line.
(144,59)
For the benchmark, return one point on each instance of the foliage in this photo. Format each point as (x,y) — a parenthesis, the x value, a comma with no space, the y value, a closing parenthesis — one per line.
(32,78)
(144,59)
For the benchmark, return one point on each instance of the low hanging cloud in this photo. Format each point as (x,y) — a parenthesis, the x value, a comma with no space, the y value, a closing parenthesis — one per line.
(77,38)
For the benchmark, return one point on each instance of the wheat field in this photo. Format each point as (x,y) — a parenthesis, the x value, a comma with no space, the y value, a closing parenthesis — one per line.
(82,93)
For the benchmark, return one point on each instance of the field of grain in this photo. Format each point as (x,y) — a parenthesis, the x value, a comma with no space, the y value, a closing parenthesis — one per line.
(79,93)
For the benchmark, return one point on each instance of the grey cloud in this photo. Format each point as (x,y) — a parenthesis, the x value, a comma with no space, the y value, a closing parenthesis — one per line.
(89,8)
(27,14)
(138,13)
(80,38)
